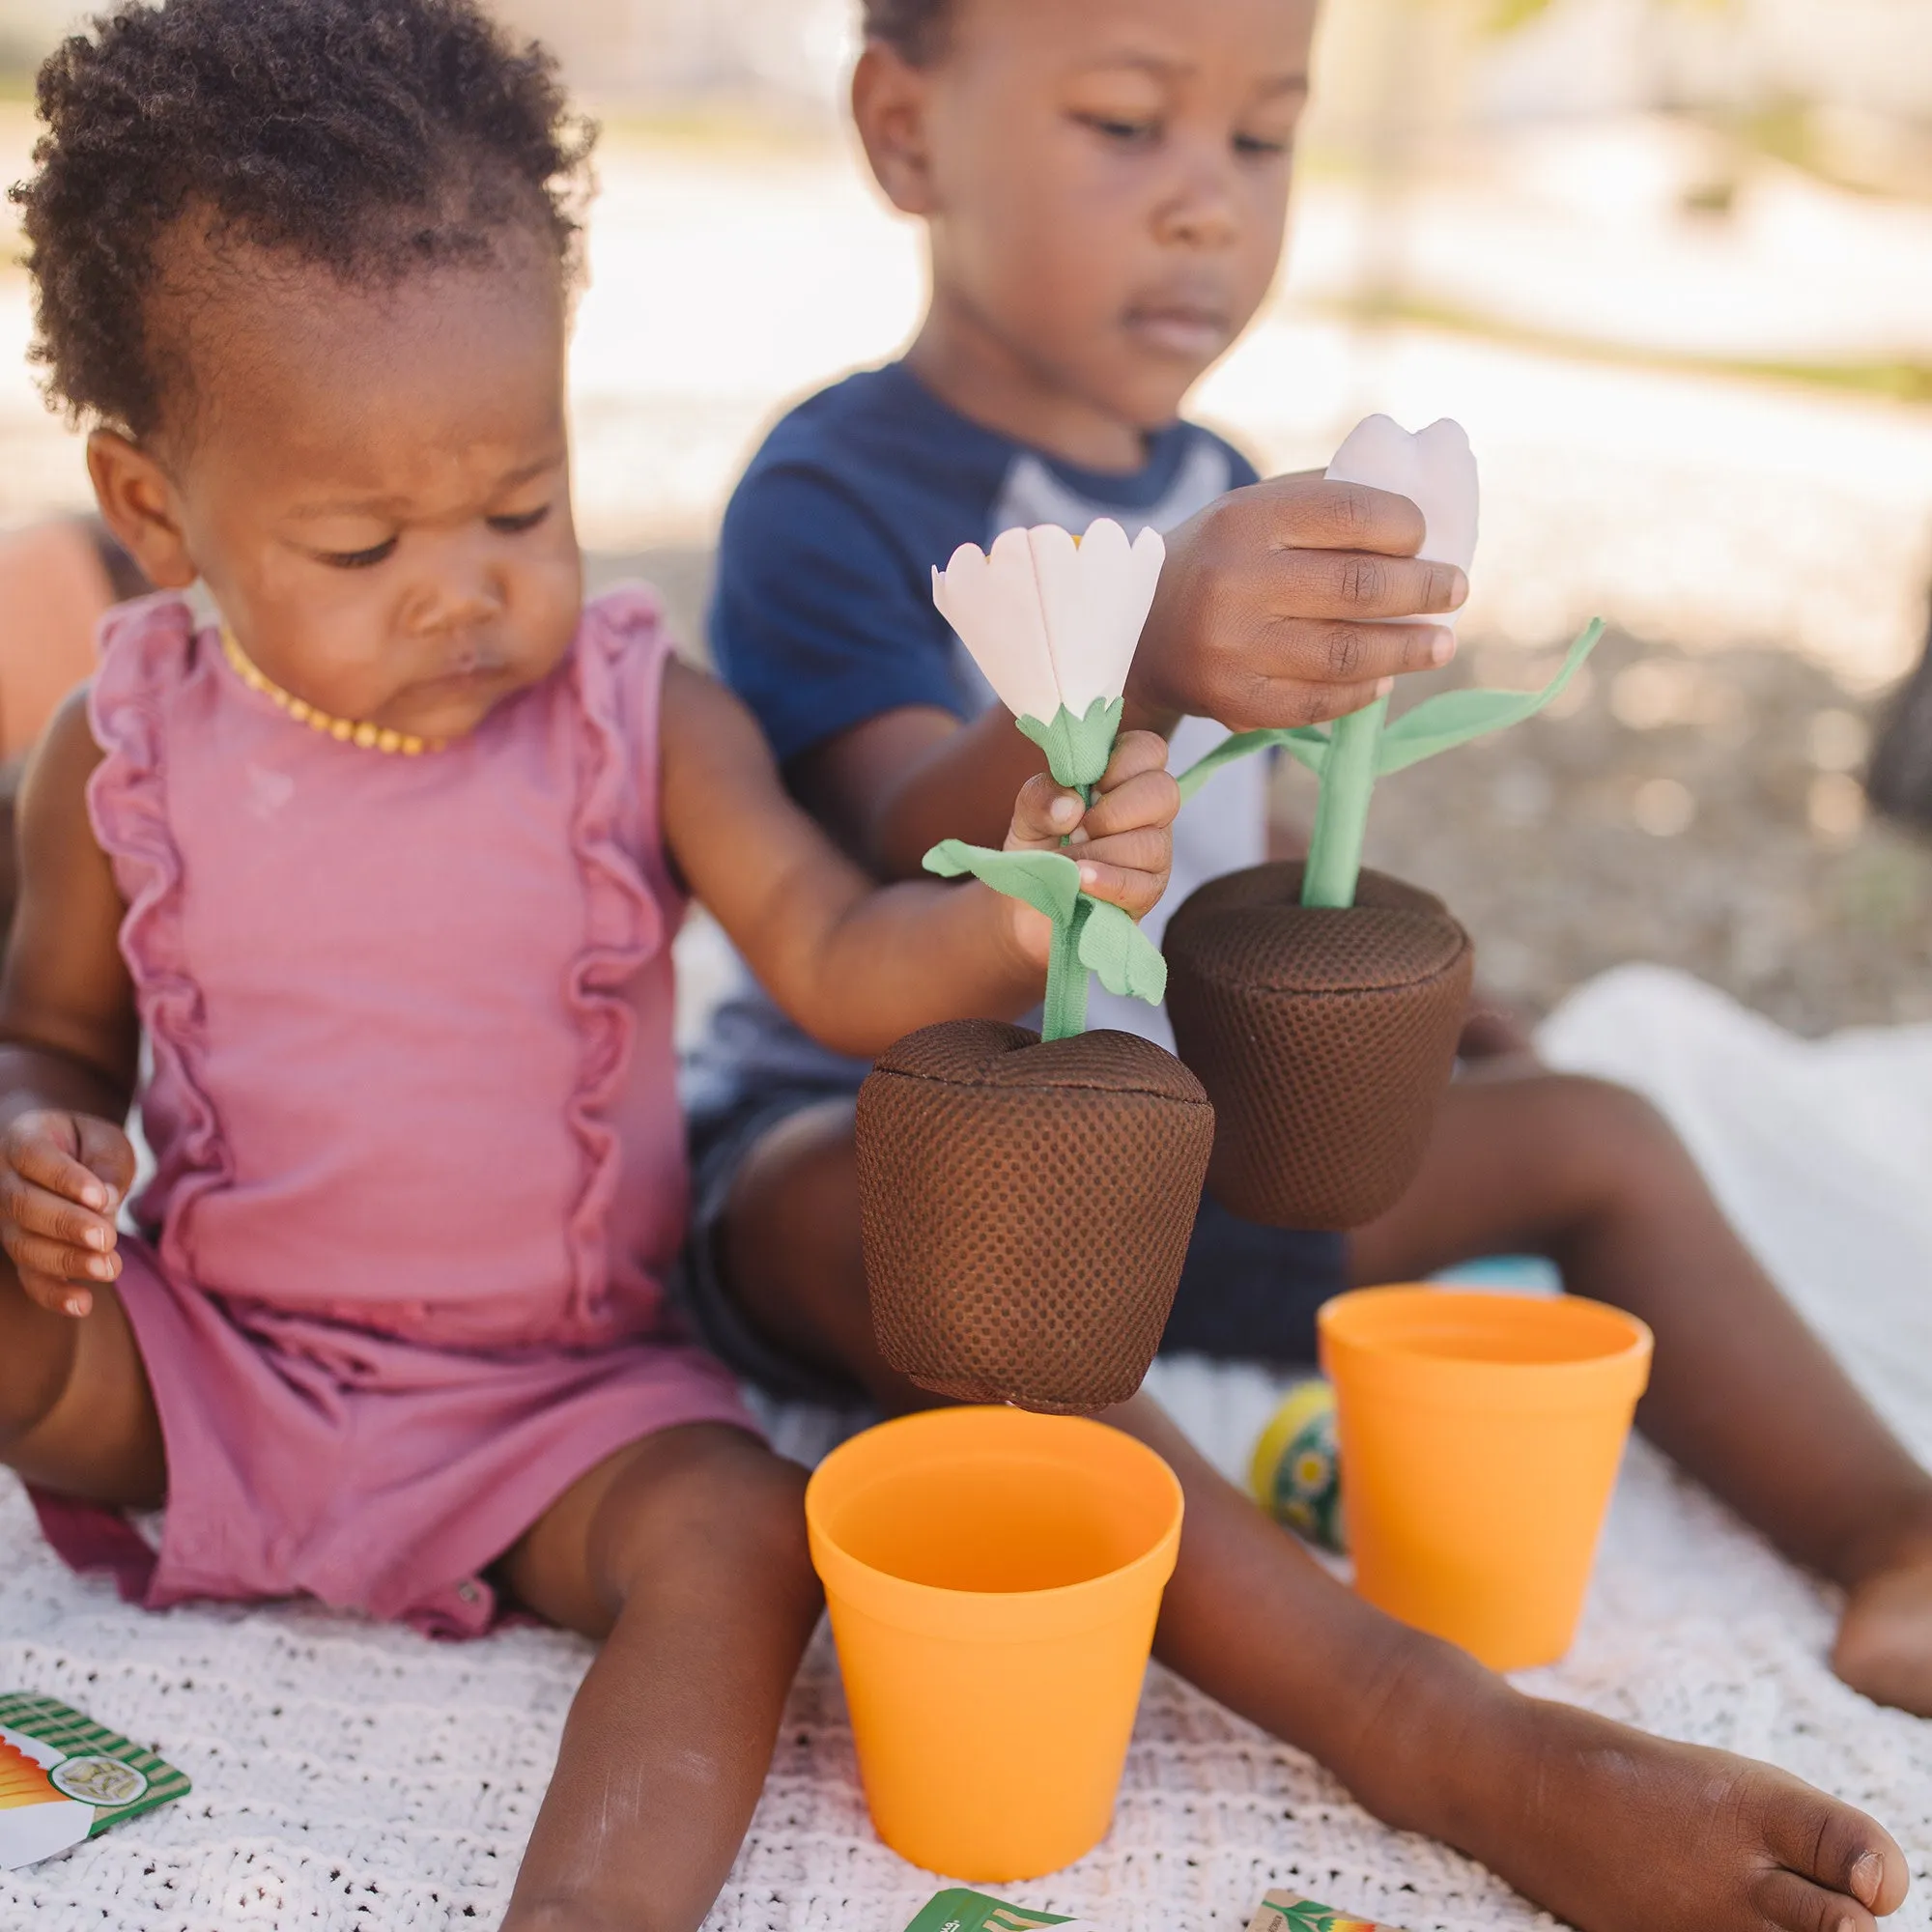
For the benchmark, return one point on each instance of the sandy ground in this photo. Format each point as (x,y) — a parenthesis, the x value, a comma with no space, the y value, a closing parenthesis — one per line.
(1762,551)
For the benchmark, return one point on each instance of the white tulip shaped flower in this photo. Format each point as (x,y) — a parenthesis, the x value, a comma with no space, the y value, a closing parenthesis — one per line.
(1436,471)
(1053,620)
(1435,468)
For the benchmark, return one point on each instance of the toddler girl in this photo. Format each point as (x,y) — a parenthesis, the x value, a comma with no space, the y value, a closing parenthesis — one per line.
(383,862)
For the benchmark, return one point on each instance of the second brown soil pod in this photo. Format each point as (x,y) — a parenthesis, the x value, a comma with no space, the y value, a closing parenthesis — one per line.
(1026,1209)
(1325,1037)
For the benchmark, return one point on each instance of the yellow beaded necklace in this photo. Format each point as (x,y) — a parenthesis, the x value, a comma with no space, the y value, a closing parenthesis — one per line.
(344,731)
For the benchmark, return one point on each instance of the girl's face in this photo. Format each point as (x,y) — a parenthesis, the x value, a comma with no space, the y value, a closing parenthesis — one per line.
(1107,181)
(373,485)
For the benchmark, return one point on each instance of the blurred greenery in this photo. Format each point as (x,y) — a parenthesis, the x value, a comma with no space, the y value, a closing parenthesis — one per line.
(1900,380)
(1506,15)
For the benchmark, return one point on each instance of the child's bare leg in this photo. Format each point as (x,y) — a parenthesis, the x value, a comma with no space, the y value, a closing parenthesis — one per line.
(76,1413)
(1615,1831)
(686,1553)
(1742,1395)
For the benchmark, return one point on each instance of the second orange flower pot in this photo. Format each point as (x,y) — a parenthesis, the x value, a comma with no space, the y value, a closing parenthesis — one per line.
(1481,1436)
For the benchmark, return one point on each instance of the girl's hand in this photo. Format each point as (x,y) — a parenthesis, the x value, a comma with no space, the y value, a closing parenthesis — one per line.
(62,1179)
(1124,842)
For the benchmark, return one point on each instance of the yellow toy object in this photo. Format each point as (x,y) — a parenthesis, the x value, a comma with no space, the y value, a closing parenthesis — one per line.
(1296,1473)
(993,1578)
(1482,1434)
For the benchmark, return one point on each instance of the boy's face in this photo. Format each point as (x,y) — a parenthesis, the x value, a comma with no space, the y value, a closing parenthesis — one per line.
(1107,181)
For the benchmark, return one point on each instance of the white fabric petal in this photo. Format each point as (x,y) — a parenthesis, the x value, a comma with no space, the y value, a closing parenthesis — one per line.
(1435,468)
(1382,454)
(1449,498)
(993,603)
(1095,596)
(1146,561)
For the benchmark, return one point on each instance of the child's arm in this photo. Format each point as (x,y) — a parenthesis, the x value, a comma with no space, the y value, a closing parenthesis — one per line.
(1271,611)
(856,964)
(69,1036)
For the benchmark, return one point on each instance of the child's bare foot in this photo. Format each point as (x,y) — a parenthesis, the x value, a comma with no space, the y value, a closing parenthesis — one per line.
(1619,1832)
(1885,1639)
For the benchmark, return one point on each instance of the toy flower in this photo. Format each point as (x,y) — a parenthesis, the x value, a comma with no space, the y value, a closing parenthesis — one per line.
(1052,621)
(1319,1003)
(1435,468)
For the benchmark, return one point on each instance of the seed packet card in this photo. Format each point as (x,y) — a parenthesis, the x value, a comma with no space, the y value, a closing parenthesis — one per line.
(963,1911)
(1287,1912)
(64,1777)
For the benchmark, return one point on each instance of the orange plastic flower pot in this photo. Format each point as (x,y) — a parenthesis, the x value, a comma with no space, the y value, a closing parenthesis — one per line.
(1481,1435)
(993,1578)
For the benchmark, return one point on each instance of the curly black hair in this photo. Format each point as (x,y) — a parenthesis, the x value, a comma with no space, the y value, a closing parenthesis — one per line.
(914,29)
(370,137)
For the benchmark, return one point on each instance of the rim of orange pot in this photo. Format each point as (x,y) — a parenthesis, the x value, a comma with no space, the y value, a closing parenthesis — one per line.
(1459,1348)
(982,1616)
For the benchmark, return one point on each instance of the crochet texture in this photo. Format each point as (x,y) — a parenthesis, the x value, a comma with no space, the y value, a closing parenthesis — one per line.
(350,1777)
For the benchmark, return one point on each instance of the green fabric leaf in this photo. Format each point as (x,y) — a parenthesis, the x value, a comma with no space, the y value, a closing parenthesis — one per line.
(1089,935)
(1126,959)
(1077,749)
(1047,881)
(1441,724)
(1307,744)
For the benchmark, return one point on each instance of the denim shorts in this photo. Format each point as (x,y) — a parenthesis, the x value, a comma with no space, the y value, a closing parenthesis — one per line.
(1247,1291)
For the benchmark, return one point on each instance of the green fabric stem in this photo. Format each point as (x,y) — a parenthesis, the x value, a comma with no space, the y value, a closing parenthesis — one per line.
(1349,756)
(1063,1012)
(1342,811)
(1077,749)
(1089,934)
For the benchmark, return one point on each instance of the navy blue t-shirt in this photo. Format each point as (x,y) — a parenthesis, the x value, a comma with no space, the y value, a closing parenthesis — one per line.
(824,616)
(823,619)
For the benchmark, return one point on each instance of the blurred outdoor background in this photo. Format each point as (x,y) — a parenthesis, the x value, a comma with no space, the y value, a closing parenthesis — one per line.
(1670,261)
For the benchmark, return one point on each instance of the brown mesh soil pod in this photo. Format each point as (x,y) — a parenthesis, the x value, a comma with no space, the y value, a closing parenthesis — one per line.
(1026,1209)
(1325,1037)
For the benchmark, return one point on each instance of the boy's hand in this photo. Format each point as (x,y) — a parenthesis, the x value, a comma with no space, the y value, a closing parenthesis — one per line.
(62,1178)
(1124,842)
(1265,612)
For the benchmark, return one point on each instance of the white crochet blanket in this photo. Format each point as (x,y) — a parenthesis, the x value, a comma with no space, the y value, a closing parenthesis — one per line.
(355,1776)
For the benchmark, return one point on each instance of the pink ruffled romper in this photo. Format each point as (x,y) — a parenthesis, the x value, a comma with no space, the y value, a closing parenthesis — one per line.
(420,1162)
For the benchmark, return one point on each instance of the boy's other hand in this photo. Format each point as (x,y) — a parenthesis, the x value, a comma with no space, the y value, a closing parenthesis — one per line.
(1273,607)
(1124,842)
(62,1179)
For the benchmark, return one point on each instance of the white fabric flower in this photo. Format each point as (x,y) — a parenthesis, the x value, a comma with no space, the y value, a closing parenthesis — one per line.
(1435,468)
(1050,620)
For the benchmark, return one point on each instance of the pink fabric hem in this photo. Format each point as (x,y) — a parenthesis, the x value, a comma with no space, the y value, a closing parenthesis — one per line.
(623,922)
(127,804)
(454,1600)
(93,1540)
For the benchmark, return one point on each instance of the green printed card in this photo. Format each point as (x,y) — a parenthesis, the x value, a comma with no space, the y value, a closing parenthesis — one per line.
(963,1911)
(1285,1911)
(64,1777)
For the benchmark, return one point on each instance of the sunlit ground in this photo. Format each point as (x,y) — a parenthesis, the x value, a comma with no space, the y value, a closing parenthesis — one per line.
(1571,298)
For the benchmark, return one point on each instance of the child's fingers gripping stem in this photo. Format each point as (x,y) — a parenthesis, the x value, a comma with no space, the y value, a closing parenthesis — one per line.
(63,1176)
(1124,842)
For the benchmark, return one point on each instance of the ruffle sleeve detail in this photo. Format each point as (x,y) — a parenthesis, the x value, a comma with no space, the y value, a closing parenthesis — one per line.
(148,655)
(617,671)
